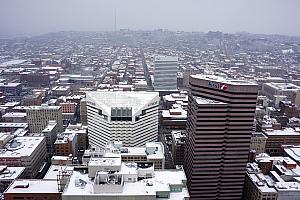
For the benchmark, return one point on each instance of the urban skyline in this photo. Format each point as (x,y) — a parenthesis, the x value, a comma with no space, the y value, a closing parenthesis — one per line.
(261,17)
(148,100)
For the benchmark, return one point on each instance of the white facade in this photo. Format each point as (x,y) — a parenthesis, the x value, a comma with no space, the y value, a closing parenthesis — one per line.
(165,73)
(130,117)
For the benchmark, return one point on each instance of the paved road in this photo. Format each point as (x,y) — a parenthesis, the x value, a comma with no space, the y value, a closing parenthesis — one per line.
(146,72)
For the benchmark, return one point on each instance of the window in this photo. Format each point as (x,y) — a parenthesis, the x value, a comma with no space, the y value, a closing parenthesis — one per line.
(176,189)
(121,114)
(165,196)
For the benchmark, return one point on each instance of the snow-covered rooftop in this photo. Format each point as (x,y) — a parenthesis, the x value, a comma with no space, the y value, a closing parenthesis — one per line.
(43,107)
(176,97)
(14,114)
(160,182)
(33,186)
(201,100)
(108,99)
(12,62)
(10,84)
(163,58)
(283,132)
(13,125)
(158,153)
(21,146)
(284,86)
(223,80)
(54,170)
(10,173)
(293,152)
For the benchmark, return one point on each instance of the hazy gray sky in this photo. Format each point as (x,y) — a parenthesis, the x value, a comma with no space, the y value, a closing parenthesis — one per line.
(256,16)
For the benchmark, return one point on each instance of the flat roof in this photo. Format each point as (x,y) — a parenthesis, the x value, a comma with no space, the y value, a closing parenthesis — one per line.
(10,84)
(274,78)
(176,97)
(12,62)
(11,104)
(51,125)
(223,80)
(20,132)
(43,107)
(10,173)
(13,125)
(3,136)
(261,185)
(159,152)
(74,96)
(54,170)
(61,158)
(201,100)
(168,113)
(21,146)
(76,76)
(293,152)
(33,186)
(61,88)
(160,182)
(283,132)
(105,161)
(166,58)
(109,99)
(258,134)
(263,157)
(284,86)
(63,138)
(287,186)
(14,114)
(81,130)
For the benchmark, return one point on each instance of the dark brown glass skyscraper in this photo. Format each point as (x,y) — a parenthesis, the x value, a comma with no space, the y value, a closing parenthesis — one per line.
(219,127)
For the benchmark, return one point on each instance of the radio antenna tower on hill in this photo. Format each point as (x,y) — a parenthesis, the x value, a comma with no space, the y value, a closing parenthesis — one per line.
(115,27)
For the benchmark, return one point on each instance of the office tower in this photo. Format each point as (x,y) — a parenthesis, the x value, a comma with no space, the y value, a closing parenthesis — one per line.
(38,117)
(219,128)
(130,117)
(165,73)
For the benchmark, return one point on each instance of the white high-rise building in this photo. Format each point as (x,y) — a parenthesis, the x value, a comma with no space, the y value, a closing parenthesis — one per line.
(165,73)
(130,117)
